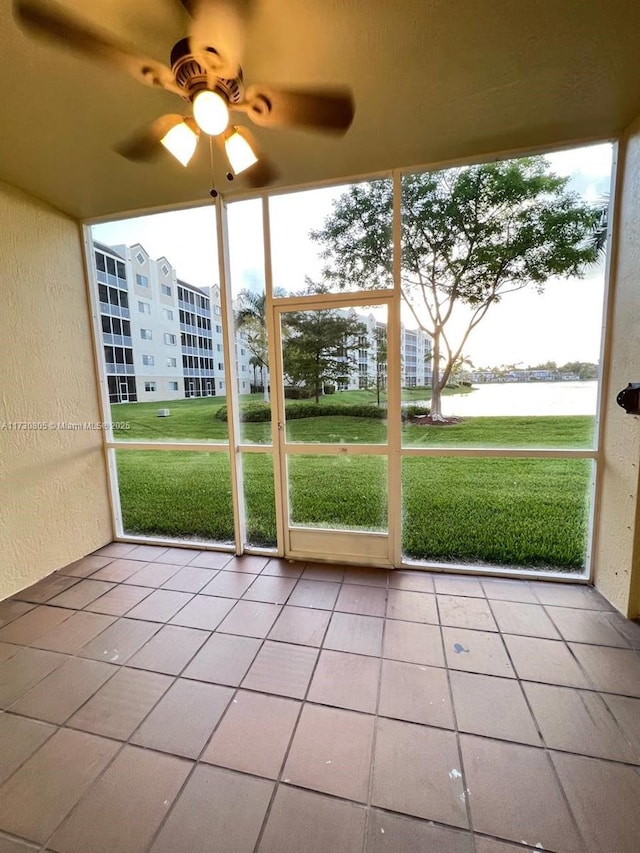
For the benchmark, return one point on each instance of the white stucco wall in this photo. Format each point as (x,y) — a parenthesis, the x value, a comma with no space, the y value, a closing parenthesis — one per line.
(617,554)
(54,504)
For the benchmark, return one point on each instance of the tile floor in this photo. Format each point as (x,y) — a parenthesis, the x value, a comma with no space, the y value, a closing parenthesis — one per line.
(177,701)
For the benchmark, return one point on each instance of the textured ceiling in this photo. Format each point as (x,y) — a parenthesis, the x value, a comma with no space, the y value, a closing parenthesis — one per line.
(433,80)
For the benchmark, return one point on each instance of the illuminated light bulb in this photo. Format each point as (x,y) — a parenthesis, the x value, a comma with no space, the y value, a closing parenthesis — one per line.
(239,151)
(211,112)
(180,141)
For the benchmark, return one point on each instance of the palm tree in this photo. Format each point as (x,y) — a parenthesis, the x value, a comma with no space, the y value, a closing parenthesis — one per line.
(251,317)
(598,237)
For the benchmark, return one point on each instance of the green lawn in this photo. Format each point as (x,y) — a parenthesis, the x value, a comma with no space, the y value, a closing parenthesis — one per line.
(529,512)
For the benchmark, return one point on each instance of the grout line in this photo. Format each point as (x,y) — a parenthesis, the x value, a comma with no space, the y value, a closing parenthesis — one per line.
(303,703)
(547,751)
(374,742)
(234,692)
(465,787)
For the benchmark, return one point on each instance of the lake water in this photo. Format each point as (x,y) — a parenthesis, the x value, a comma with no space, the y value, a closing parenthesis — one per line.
(524,398)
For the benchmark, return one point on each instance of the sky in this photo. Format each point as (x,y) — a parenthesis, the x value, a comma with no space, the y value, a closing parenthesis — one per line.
(526,328)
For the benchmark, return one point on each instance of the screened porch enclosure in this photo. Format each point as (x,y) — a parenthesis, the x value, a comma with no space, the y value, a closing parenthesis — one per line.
(302,417)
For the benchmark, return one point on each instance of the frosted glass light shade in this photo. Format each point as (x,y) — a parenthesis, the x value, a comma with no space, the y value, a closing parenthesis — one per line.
(239,151)
(180,141)
(211,112)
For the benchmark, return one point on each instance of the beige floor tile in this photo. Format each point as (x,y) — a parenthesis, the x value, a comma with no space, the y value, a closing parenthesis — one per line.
(125,806)
(346,681)
(413,643)
(223,659)
(119,707)
(611,670)
(476,651)
(586,626)
(390,833)
(547,661)
(195,827)
(331,752)
(412,606)
(349,632)
(62,692)
(183,720)
(19,739)
(254,734)
(604,798)
(577,721)
(514,795)
(493,707)
(42,792)
(416,693)
(417,771)
(306,822)
(282,669)
(528,620)
(463,612)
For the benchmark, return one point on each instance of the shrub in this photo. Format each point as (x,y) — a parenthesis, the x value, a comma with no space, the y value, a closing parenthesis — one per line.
(249,413)
(291,393)
(319,410)
(410,412)
(261,412)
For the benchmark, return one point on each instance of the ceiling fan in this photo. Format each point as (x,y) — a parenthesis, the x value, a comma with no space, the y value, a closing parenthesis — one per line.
(205,71)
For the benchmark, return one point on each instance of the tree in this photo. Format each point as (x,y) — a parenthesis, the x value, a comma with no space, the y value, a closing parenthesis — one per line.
(461,366)
(251,318)
(469,236)
(319,347)
(380,341)
(600,228)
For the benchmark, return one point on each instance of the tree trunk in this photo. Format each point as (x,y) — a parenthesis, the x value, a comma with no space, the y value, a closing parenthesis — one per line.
(436,388)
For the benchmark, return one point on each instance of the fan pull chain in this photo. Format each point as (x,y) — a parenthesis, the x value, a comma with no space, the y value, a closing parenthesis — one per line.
(213,192)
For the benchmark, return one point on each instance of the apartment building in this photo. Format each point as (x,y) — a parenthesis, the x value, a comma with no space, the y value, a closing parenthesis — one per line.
(415,355)
(161,336)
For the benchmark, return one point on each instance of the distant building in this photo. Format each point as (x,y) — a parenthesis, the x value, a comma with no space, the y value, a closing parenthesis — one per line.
(161,336)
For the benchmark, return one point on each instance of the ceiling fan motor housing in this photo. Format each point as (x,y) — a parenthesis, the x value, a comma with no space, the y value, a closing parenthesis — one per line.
(193,77)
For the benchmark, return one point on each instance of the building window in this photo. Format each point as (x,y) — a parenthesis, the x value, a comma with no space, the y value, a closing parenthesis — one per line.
(219,329)
(216,310)
(144,307)
(165,269)
(148,360)
(146,334)
(142,280)
(149,386)
(171,362)
(167,313)
(166,290)
(173,386)
(140,258)
(169,339)
(220,366)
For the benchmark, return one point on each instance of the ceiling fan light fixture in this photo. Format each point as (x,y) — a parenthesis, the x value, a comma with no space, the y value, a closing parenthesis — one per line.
(239,151)
(181,141)
(211,112)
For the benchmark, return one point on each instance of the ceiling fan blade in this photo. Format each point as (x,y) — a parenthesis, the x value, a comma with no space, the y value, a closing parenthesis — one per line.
(52,22)
(328,110)
(216,35)
(144,145)
(261,174)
